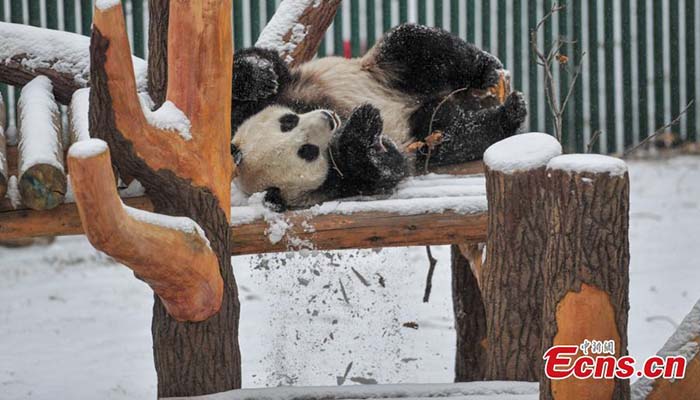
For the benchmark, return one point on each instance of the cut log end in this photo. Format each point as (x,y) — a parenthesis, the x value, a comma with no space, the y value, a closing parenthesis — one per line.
(43,187)
(522,153)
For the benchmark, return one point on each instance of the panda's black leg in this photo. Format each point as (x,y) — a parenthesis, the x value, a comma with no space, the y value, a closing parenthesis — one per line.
(422,60)
(467,134)
(258,76)
(363,161)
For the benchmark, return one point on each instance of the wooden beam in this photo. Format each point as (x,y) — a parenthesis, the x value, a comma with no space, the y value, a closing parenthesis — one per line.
(331,232)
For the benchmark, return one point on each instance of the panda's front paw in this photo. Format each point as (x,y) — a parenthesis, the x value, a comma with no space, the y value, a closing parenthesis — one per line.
(513,112)
(364,126)
(254,78)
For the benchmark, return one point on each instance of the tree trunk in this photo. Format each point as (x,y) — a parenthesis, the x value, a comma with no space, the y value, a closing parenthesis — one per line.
(158,14)
(586,266)
(513,282)
(470,320)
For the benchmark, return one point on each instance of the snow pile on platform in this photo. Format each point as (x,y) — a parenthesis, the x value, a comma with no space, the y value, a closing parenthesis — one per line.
(593,163)
(64,52)
(455,391)
(522,152)
(432,193)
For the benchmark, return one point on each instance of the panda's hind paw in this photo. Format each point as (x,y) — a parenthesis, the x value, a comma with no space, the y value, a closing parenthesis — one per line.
(513,112)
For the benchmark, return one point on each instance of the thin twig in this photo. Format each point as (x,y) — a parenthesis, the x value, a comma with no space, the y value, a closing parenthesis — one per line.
(342,290)
(432,118)
(429,279)
(660,130)
(592,140)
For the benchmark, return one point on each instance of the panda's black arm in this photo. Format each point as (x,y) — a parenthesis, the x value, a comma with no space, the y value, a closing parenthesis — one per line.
(422,60)
(362,160)
(259,76)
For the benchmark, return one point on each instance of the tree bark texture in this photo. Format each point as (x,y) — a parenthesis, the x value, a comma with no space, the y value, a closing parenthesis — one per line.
(512,277)
(14,72)
(470,320)
(158,14)
(586,273)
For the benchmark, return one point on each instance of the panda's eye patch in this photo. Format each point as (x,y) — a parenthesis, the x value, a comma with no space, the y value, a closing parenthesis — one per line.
(308,152)
(288,122)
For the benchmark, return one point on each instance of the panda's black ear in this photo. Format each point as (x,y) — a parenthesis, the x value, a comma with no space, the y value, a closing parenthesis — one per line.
(274,200)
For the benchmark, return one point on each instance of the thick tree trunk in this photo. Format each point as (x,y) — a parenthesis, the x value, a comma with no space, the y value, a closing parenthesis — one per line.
(158,14)
(513,281)
(586,266)
(470,320)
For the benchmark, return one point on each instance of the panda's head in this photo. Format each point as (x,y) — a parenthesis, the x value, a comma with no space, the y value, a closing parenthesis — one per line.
(284,152)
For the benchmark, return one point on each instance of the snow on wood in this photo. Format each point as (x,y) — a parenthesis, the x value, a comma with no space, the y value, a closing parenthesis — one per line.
(284,21)
(13,192)
(684,342)
(27,51)
(42,179)
(456,391)
(167,117)
(105,4)
(593,163)
(522,152)
(88,148)
(78,111)
(182,224)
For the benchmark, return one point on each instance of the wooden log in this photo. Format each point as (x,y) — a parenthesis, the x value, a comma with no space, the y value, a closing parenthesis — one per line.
(3,151)
(470,319)
(297,28)
(78,123)
(331,232)
(512,281)
(42,178)
(586,266)
(683,343)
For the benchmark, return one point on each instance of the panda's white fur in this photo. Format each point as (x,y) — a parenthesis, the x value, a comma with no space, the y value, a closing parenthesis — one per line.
(270,155)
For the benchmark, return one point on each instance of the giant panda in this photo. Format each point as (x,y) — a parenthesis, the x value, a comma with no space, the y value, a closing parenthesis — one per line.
(337,127)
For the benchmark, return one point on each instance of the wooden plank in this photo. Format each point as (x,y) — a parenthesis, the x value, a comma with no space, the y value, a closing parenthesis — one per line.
(330,232)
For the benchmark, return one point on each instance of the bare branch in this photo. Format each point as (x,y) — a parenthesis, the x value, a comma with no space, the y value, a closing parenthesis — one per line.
(660,130)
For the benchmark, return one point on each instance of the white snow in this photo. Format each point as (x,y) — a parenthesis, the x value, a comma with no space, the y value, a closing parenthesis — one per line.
(431,193)
(168,117)
(522,152)
(593,163)
(182,224)
(88,148)
(64,52)
(75,324)
(457,391)
(13,192)
(683,342)
(285,20)
(79,115)
(39,125)
(106,4)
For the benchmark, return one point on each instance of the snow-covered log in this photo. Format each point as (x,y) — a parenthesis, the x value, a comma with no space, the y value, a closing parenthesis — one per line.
(3,151)
(586,267)
(512,282)
(452,391)
(42,176)
(78,124)
(684,342)
(297,28)
(27,51)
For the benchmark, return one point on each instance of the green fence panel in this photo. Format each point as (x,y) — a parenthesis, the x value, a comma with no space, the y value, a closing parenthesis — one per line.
(658,65)
(386,15)
(255,20)
(642,82)
(270,8)
(564,76)
(502,31)
(454,16)
(52,14)
(578,59)
(471,20)
(691,128)
(609,46)
(355,27)
(533,69)
(139,35)
(69,16)
(675,65)
(486,25)
(437,11)
(548,31)
(371,23)
(628,133)
(34,13)
(86,16)
(423,12)
(238,24)
(593,80)
(338,34)
(403,11)
(16,12)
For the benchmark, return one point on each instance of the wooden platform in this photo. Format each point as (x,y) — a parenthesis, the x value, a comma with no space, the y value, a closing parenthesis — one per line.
(428,210)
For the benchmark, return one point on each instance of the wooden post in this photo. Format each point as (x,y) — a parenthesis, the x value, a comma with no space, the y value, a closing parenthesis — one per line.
(516,239)
(586,266)
(470,320)
(684,342)
(42,177)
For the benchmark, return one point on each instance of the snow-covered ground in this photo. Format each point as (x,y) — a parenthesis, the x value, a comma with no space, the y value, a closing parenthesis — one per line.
(75,324)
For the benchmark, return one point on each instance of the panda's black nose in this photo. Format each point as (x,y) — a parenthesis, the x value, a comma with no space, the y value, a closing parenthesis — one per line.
(332,122)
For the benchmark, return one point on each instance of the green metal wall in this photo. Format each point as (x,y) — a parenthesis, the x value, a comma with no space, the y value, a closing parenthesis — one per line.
(638,71)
